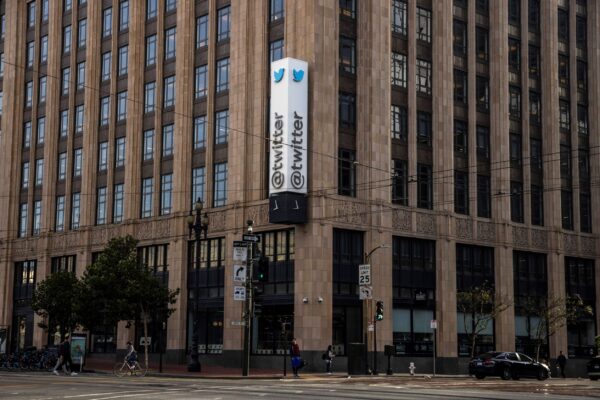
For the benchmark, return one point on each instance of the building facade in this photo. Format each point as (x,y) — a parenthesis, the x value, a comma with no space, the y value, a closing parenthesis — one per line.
(450,144)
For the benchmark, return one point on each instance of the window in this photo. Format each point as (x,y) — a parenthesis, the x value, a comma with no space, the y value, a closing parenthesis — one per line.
(43,90)
(66,80)
(68,5)
(482,48)
(170,43)
(399,70)
(29,94)
(23,220)
(484,196)
(149,97)
(566,197)
(106,66)
(534,62)
(67,37)
(81,75)
(537,205)
(81,33)
(514,102)
(563,25)
(25,175)
(516,201)
(223,23)
(276,50)
(101,206)
(75,210)
(460,86)
(580,281)
(514,12)
(123,60)
(424,77)
(459,30)
(585,211)
(27,134)
(31,14)
(104,110)
(347,173)
(534,15)
(424,128)
(102,156)
(222,75)
(59,224)
(563,70)
(147,190)
(535,147)
(581,32)
(198,182)
(148,144)
(167,140)
(107,22)
(423,24)
(77,162)
(221,126)
(1,65)
(483,94)
(564,116)
(150,50)
(347,111)
(277,10)
(124,15)
(30,55)
(37,217)
(62,166)
(461,192)
(169,99)
(39,171)
(166,188)
(582,78)
(201,82)
(2,26)
(514,54)
(63,264)
(400,182)
(151,9)
(120,152)
(399,123)
(582,120)
(79,119)
(122,106)
(399,17)
(220,185)
(535,108)
(461,143)
(170,5)
(202,31)
(44,49)
(41,130)
(199,132)
(348,54)
(118,203)
(424,186)
(515,150)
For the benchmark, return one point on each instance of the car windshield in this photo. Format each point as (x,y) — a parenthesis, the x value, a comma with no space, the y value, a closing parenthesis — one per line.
(512,356)
(487,356)
(525,358)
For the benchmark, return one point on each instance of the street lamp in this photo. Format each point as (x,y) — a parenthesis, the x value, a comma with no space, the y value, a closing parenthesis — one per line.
(197,223)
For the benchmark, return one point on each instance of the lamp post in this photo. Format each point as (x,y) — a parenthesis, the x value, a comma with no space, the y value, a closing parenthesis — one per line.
(197,223)
(248,308)
(367,257)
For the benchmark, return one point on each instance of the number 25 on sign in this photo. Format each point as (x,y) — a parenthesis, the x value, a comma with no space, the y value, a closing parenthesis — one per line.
(364,274)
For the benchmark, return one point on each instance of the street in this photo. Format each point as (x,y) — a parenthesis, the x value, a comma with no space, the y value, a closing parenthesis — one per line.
(42,386)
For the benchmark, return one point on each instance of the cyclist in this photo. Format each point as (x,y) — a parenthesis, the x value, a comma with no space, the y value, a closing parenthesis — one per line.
(131,356)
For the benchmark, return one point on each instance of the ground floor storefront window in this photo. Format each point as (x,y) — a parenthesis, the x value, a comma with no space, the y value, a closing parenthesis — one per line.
(272,331)
(103,340)
(581,282)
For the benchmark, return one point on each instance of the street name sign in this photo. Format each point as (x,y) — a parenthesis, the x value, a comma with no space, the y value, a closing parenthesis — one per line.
(251,238)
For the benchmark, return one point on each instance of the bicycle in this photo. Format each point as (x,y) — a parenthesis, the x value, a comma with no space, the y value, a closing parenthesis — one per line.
(131,368)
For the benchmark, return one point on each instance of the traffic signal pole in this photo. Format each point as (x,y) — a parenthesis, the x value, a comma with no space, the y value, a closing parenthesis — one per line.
(248,309)
(375,346)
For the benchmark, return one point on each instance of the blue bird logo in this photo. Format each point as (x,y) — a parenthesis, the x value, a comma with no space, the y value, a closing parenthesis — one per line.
(298,75)
(278,75)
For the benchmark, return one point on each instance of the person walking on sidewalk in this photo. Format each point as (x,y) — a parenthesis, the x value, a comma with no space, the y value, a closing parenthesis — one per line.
(296,359)
(59,360)
(328,357)
(561,360)
(66,358)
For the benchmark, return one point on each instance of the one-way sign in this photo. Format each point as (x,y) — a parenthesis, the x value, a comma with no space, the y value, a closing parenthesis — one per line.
(251,238)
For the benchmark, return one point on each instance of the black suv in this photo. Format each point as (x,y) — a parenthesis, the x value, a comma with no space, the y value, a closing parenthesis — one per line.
(507,365)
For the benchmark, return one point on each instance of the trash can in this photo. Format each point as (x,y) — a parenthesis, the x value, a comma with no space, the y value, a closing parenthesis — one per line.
(356,359)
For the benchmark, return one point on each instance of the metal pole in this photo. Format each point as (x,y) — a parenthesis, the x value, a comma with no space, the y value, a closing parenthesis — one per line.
(247,315)
(375,346)
(194,365)
(434,340)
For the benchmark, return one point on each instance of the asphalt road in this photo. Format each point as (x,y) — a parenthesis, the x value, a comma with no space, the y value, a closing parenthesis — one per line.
(41,386)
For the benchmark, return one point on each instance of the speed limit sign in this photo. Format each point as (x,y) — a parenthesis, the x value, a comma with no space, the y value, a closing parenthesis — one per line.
(364,275)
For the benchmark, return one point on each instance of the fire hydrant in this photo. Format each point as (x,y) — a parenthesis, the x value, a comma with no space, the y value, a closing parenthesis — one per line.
(411,368)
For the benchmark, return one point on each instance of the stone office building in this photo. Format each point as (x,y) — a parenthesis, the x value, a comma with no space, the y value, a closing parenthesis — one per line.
(452,141)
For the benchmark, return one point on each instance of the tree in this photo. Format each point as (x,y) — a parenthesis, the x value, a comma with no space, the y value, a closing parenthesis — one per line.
(479,305)
(56,299)
(553,314)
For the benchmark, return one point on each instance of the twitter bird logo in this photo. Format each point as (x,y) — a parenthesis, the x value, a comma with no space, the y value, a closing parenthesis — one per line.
(278,75)
(298,75)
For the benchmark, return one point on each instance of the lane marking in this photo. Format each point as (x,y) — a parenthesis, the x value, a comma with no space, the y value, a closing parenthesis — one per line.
(104,394)
(128,395)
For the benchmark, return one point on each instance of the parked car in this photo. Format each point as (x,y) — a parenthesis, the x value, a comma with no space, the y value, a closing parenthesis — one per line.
(593,368)
(507,365)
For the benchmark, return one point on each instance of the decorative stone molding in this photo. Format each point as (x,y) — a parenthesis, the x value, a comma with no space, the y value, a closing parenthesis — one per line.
(464,228)
(259,214)
(143,230)
(352,213)
(402,220)
(587,246)
(426,223)
(162,229)
(539,239)
(216,221)
(486,231)
(520,236)
(24,247)
(570,243)
(99,236)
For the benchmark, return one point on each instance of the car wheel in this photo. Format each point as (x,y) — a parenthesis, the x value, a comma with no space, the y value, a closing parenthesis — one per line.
(593,378)
(479,376)
(542,375)
(506,374)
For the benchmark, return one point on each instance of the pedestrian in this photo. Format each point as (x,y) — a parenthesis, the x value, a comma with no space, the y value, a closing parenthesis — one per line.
(296,359)
(328,357)
(562,363)
(131,356)
(59,360)
(66,358)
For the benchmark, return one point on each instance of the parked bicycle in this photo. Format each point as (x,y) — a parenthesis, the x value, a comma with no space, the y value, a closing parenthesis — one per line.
(30,359)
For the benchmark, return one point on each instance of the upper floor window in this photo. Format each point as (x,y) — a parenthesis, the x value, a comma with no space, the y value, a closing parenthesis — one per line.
(276,50)
(198,182)
(166,189)
(123,15)
(102,156)
(77,162)
(199,132)
(66,81)
(582,120)
(79,118)
(399,123)
(535,108)
(514,12)
(484,206)
(43,89)
(169,89)
(482,44)
(563,25)
(223,23)
(277,10)
(75,210)
(400,183)
(201,82)
(222,75)
(81,75)
(461,192)
(122,106)
(461,137)
(347,111)
(564,116)
(106,66)
(424,77)
(148,145)
(534,15)
(516,201)
(147,192)
(399,17)
(202,31)
(221,126)
(149,97)
(482,93)
(41,130)
(151,9)
(424,186)
(424,24)
(482,7)
(107,22)
(30,55)
(150,50)
(348,8)
(514,54)
(23,220)
(534,61)
(483,142)
(45,11)
(460,86)
(459,31)
(220,184)
(424,128)
(170,5)
(68,5)
(514,102)
(123,60)
(67,37)
(82,33)
(399,70)
(581,32)
(119,152)
(347,173)
(348,54)
(170,43)
(31,14)
(104,110)
(167,140)
(44,49)
(119,199)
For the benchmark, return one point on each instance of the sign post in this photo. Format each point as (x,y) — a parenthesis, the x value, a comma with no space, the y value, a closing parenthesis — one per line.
(434,325)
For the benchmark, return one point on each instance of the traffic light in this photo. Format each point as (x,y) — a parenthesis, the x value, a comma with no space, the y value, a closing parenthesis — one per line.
(379,311)
(262,274)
